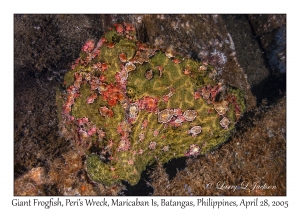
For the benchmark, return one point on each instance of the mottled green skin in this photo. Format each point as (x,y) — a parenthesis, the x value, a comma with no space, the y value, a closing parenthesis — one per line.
(128,165)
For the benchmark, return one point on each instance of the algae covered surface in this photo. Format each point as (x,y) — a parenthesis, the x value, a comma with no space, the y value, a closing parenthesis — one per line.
(127,105)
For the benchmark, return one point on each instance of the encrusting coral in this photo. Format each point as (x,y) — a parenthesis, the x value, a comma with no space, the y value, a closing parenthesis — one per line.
(127,105)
